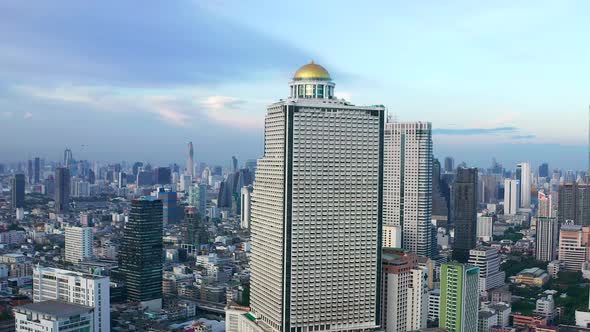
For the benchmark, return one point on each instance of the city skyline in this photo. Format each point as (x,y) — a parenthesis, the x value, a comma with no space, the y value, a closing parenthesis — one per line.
(134,91)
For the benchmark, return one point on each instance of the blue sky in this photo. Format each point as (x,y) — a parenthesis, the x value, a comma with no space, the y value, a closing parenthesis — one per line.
(136,80)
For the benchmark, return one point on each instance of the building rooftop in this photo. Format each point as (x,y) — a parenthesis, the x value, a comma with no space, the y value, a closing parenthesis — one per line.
(486,314)
(56,308)
(532,272)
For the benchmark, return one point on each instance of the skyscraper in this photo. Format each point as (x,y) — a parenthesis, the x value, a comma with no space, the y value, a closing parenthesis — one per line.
(407,183)
(170,206)
(30,175)
(440,194)
(404,292)
(545,205)
(544,170)
(523,174)
(449,165)
(316,211)
(465,217)
(574,241)
(162,175)
(141,253)
(459,297)
(511,196)
(62,190)
(190,163)
(68,159)
(488,261)
(79,243)
(546,239)
(246,211)
(37,170)
(234,164)
(574,203)
(18,191)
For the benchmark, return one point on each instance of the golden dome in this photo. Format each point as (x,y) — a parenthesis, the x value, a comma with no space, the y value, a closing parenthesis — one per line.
(312,71)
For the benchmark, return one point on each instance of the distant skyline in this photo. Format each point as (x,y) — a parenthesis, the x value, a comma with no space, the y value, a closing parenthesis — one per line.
(137,80)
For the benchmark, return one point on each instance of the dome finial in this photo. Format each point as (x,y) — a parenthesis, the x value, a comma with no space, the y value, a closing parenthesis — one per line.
(311,62)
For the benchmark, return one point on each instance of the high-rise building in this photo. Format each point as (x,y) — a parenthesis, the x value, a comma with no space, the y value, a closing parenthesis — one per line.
(488,261)
(75,287)
(190,163)
(523,174)
(544,170)
(37,170)
(545,205)
(485,228)
(68,158)
(407,183)
(17,189)
(195,233)
(404,292)
(574,203)
(440,194)
(546,239)
(162,175)
(234,164)
(573,246)
(392,236)
(459,297)
(449,165)
(511,196)
(465,213)
(29,172)
(202,198)
(141,253)
(246,211)
(316,234)
(53,316)
(62,190)
(171,214)
(79,243)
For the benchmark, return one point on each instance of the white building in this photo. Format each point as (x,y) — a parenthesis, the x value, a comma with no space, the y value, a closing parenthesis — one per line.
(523,174)
(246,208)
(545,205)
(53,316)
(79,243)
(75,287)
(485,320)
(433,305)
(316,211)
(511,196)
(407,183)
(485,228)
(572,246)
(392,236)
(546,238)
(545,307)
(503,311)
(488,261)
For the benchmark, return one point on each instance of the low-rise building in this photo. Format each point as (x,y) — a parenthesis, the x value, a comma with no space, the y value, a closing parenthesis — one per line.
(532,277)
(53,316)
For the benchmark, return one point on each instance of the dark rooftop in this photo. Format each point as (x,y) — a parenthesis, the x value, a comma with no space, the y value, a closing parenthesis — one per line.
(56,308)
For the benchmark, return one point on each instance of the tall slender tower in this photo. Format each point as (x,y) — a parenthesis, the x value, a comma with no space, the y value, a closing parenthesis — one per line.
(407,184)
(62,190)
(316,211)
(190,166)
(465,218)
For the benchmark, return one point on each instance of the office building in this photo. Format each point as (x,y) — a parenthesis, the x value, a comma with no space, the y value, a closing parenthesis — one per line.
(62,190)
(546,239)
(573,246)
(140,256)
(37,170)
(404,292)
(68,158)
(545,307)
(545,209)
(190,163)
(459,297)
(574,203)
(449,165)
(79,244)
(434,305)
(485,228)
(53,316)
(465,213)
(163,175)
(407,183)
(488,261)
(440,195)
(234,164)
(511,196)
(544,170)
(485,320)
(202,198)
(171,212)
(30,172)
(392,236)
(246,211)
(316,211)
(74,287)
(523,174)
(17,184)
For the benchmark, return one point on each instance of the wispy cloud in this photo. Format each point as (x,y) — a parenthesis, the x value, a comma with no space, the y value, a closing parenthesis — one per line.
(523,136)
(474,131)
(28,115)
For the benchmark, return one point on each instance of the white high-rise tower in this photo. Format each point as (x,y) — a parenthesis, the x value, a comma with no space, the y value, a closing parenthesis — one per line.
(407,184)
(316,212)
(523,174)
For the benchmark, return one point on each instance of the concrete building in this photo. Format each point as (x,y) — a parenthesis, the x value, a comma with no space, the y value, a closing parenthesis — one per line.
(511,196)
(533,276)
(407,184)
(62,190)
(524,176)
(77,288)
(545,307)
(316,234)
(459,297)
(246,210)
(488,261)
(79,244)
(545,205)
(404,292)
(465,213)
(485,228)
(573,246)
(485,320)
(574,203)
(434,305)
(546,239)
(392,236)
(17,190)
(53,316)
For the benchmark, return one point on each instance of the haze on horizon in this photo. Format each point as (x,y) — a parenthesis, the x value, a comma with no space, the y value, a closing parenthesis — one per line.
(136,80)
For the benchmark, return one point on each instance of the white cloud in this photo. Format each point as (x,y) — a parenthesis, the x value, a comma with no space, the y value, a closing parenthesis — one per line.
(6,114)
(28,115)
